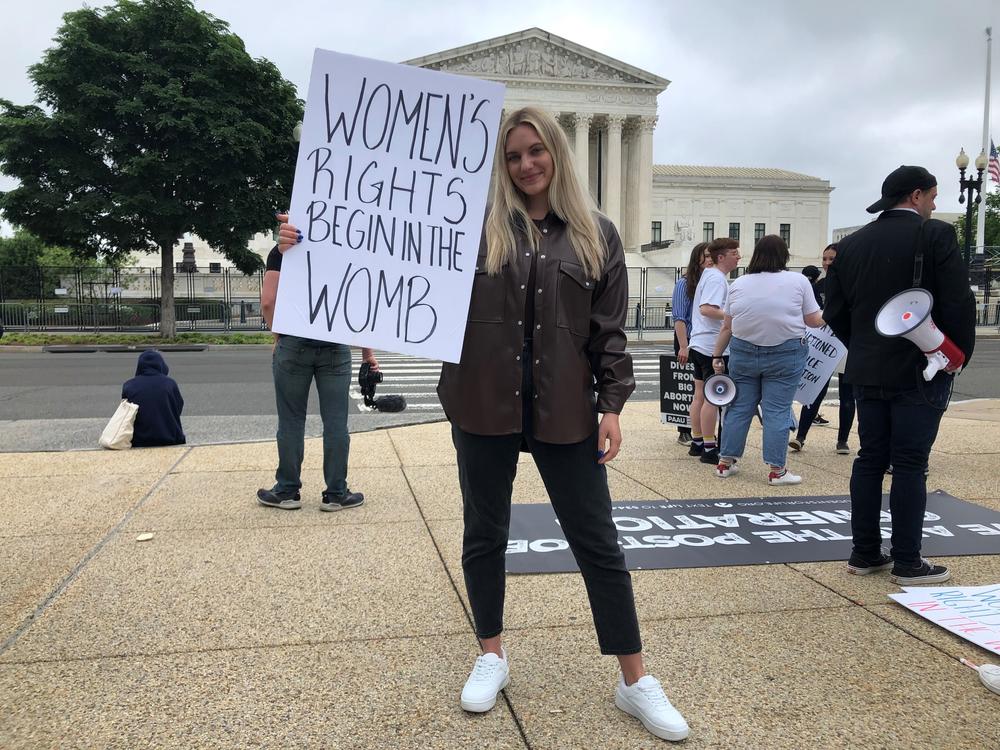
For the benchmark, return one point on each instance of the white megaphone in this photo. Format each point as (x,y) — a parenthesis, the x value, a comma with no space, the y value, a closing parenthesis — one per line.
(908,314)
(720,390)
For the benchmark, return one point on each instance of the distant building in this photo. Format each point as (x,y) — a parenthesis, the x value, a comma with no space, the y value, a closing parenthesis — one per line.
(949,217)
(609,111)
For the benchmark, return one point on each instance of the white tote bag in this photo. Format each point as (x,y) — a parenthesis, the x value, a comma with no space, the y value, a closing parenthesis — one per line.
(118,434)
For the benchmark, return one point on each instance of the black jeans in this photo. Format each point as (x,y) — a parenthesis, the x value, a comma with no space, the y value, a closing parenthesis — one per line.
(578,489)
(809,412)
(898,427)
(682,429)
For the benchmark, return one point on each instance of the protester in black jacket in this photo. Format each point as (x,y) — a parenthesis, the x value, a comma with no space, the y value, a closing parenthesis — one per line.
(898,412)
(159,400)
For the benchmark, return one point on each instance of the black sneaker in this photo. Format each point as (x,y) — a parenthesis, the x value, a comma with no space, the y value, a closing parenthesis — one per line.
(820,419)
(333,502)
(684,438)
(861,566)
(926,572)
(283,500)
(696,449)
(843,448)
(710,457)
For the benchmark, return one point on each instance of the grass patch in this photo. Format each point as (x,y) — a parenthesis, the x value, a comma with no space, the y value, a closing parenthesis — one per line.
(80,339)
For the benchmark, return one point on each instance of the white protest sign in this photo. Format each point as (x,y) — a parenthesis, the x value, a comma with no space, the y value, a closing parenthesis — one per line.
(970,612)
(390,193)
(825,352)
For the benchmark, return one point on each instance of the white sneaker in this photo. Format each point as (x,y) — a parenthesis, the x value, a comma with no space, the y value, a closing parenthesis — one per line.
(786,477)
(724,469)
(490,675)
(646,701)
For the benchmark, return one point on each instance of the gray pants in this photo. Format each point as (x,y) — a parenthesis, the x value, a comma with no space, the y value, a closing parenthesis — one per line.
(296,362)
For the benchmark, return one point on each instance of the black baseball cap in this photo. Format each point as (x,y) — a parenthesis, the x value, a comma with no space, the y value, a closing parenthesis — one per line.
(900,183)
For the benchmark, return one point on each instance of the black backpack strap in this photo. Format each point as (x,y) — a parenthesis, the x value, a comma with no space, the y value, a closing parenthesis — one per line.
(918,259)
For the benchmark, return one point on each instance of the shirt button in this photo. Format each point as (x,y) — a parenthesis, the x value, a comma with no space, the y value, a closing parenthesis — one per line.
(517,393)
(536,395)
(522,286)
(537,361)
(526,255)
(539,291)
(545,230)
(538,327)
(518,357)
(519,323)
(542,257)
(587,283)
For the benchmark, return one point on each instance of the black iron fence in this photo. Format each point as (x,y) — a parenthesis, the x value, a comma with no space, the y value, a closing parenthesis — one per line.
(128,299)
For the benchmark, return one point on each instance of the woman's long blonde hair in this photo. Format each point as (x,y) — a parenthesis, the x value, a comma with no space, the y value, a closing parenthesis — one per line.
(567,199)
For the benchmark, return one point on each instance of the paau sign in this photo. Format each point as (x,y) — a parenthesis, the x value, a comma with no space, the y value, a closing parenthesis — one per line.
(676,390)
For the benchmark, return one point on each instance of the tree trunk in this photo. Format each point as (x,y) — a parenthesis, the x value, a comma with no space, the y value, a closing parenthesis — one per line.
(168,315)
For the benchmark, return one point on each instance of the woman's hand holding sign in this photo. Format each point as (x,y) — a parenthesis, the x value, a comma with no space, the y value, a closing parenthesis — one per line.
(288,235)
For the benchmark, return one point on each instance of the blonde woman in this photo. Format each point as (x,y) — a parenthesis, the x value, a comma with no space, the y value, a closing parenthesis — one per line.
(544,333)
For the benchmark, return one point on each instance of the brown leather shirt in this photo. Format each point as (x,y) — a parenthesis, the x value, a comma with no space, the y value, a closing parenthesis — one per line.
(579,342)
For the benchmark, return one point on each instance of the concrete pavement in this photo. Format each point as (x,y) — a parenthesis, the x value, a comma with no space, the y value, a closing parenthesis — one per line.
(243,626)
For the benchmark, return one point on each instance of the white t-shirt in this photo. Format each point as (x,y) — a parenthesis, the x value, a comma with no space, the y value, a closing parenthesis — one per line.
(712,289)
(767,308)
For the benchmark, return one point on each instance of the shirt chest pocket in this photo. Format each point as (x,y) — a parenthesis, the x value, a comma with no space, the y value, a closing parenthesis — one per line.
(574,293)
(488,296)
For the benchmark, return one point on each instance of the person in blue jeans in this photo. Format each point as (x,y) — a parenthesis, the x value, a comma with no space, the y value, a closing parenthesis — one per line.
(296,362)
(766,315)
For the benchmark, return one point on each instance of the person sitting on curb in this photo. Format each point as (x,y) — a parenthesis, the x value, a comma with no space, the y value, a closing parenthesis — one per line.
(158,421)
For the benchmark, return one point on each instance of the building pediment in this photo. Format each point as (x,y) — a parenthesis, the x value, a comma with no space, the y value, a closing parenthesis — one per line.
(535,54)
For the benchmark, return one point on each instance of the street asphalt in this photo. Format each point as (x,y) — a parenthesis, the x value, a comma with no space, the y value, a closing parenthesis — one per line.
(62,401)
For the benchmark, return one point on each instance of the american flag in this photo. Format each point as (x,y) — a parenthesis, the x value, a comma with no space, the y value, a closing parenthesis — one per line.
(994,166)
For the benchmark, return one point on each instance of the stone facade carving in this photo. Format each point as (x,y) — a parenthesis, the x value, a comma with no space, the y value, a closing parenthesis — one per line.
(534,58)
(682,229)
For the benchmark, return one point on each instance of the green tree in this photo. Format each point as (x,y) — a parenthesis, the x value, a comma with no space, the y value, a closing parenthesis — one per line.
(154,122)
(22,260)
(991,235)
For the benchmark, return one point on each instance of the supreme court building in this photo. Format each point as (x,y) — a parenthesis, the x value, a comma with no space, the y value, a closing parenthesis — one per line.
(609,111)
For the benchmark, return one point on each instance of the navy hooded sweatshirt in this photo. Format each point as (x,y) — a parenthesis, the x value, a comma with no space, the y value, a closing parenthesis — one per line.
(159,400)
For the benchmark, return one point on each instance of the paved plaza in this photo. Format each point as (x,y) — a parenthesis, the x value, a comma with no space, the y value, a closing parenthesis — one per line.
(242,626)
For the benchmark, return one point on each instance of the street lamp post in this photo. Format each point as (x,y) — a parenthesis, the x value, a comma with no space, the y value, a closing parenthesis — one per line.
(972,187)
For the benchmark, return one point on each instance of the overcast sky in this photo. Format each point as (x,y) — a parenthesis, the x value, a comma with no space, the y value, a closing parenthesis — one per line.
(845,91)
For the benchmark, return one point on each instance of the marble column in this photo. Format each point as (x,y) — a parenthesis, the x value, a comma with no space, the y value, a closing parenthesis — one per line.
(631,236)
(581,123)
(644,197)
(613,186)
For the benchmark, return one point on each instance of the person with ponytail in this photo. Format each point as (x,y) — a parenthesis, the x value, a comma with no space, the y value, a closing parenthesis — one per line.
(544,369)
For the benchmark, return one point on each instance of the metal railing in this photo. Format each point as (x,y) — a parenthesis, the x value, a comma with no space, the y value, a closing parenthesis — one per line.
(88,299)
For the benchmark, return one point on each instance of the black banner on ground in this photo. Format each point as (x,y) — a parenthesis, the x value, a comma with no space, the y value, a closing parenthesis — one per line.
(742,531)
(676,390)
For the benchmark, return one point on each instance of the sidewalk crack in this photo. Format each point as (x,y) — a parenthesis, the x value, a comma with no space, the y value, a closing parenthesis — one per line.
(71,576)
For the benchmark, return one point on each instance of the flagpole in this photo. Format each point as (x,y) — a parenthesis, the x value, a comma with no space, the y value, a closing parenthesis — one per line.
(981,219)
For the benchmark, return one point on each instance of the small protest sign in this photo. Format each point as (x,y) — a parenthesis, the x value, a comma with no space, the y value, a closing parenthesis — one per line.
(676,390)
(390,192)
(970,612)
(825,352)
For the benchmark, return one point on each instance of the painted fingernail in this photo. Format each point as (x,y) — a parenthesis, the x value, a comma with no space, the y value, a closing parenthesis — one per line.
(299,239)
(600,454)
